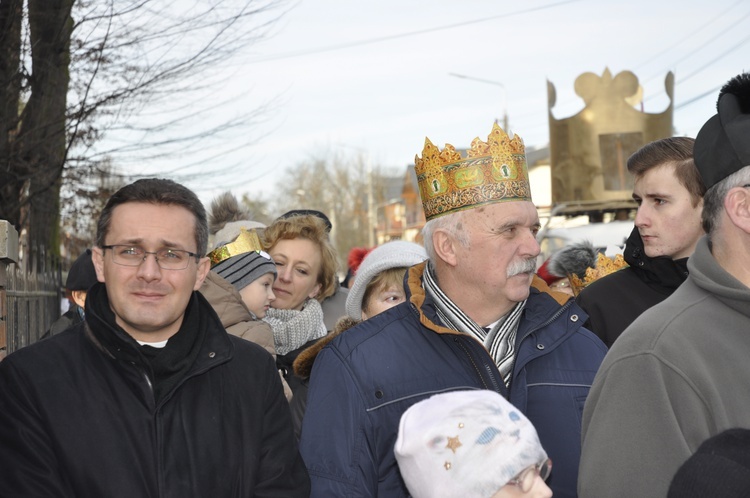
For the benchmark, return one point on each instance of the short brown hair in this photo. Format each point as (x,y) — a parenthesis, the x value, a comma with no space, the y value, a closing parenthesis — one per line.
(673,150)
(392,277)
(156,191)
(314,229)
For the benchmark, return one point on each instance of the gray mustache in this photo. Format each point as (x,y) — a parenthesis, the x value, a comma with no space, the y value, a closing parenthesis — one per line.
(523,266)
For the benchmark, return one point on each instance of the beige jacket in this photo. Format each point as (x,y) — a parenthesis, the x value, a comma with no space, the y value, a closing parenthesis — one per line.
(236,318)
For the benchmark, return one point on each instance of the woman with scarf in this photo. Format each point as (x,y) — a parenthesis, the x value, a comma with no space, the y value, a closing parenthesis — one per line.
(306,265)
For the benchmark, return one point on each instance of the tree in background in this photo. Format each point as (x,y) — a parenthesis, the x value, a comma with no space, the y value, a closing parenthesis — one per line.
(85,83)
(81,203)
(340,187)
(259,209)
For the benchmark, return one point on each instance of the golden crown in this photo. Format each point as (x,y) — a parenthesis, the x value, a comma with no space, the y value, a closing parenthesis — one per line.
(246,241)
(604,266)
(492,171)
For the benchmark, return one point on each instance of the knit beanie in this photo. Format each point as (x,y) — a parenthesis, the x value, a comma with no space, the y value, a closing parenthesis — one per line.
(245,268)
(232,229)
(720,467)
(395,254)
(82,273)
(226,218)
(464,443)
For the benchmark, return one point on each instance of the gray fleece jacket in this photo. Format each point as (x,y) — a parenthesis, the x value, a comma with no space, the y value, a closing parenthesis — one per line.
(677,376)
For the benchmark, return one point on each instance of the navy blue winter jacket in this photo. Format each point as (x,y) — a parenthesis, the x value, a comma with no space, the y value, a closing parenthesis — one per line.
(366,378)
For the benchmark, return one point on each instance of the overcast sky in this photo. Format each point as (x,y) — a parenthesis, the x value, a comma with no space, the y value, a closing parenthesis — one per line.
(373,76)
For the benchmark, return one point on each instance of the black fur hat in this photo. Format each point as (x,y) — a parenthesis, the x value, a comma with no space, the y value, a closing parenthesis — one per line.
(722,146)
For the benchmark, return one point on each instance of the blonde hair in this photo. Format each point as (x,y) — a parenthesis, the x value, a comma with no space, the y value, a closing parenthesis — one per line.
(392,277)
(314,229)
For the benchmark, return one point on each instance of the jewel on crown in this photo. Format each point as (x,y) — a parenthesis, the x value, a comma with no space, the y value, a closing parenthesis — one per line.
(498,144)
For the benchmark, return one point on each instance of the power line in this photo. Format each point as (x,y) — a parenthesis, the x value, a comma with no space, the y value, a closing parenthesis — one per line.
(692,35)
(703,95)
(371,41)
(716,59)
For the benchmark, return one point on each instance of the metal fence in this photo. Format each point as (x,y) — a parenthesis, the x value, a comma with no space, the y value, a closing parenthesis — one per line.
(30,292)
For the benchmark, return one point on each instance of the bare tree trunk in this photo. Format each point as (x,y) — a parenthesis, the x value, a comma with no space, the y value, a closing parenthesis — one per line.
(11,14)
(42,137)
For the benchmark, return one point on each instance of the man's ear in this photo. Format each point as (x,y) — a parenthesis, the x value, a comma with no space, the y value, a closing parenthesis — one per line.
(204,266)
(97,257)
(737,206)
(79,297)
(445,247)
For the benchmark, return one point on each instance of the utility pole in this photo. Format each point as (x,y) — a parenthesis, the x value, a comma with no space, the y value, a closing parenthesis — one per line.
(371,212)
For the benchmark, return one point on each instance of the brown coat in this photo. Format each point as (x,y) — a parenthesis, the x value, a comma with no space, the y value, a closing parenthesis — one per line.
(236,318)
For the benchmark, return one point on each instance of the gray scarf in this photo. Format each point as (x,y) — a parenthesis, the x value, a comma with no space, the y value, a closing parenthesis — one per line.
(500,340)
(293,328)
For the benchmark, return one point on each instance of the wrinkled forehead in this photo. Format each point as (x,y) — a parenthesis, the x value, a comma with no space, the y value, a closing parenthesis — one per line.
(140,223)
(522,213)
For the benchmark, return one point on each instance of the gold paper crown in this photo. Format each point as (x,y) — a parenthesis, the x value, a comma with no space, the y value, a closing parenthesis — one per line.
(604,266)
(492,171)
(246,241)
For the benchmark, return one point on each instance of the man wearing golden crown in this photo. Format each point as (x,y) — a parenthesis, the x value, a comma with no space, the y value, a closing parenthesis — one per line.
(472,320)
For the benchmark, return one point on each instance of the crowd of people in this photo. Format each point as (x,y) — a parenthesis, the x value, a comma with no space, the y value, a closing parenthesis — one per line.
(208,354)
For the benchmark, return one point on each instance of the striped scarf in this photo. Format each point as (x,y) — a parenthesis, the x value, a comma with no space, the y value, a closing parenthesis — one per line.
(499,340)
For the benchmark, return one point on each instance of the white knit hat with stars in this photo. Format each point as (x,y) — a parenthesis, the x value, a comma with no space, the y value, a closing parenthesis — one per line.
(464,443)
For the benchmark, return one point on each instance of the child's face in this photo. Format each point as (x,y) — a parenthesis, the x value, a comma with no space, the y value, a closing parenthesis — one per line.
(258,295)
(385,298)
(537,489)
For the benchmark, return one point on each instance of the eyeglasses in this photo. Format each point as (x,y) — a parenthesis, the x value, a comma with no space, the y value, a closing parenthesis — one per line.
(525,480)
(167,259)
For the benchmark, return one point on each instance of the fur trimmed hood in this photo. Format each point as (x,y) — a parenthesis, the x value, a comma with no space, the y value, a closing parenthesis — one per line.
(304,362)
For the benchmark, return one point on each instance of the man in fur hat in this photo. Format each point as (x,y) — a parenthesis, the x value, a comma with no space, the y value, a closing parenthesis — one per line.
(679,374)
(669,192)
(471,320)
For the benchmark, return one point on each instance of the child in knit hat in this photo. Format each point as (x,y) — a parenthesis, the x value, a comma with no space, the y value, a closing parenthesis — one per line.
(379,280)
(252,274)
(470,444)
(239,285)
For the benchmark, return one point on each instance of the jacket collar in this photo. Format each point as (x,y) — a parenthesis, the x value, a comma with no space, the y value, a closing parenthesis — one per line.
(112,340)
(417,296)
(662,273)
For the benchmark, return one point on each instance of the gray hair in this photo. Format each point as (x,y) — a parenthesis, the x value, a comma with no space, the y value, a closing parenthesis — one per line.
(713,201)
(451,223)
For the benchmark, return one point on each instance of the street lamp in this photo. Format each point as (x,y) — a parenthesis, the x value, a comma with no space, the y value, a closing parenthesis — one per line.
(495,83)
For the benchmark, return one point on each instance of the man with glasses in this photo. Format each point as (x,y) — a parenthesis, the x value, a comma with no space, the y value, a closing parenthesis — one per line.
(679,374)
(149,396)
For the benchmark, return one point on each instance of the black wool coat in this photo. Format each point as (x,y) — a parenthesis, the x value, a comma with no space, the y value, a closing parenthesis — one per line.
(79,419)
